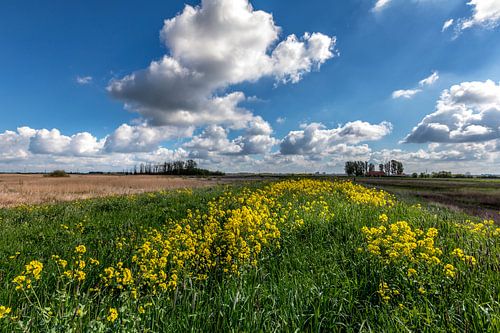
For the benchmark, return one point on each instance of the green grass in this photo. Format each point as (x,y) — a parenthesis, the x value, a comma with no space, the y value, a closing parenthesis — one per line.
(316,281)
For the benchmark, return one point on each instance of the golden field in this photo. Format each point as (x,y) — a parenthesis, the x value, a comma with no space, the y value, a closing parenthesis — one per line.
(17,189)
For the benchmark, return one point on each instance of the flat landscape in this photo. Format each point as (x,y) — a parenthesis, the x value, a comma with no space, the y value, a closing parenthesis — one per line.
(477,197)
(304,254)
(250,166)
(17,189)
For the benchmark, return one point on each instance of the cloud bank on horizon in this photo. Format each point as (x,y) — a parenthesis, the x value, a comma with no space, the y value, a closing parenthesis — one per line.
(192,103)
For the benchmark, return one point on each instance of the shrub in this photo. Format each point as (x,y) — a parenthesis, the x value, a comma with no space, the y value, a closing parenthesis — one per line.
(57,173)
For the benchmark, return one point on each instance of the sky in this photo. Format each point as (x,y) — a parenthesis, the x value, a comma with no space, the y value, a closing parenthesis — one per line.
(250,86)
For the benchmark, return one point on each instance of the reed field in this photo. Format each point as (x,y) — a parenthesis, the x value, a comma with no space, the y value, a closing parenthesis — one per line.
(17,189)
(272,256)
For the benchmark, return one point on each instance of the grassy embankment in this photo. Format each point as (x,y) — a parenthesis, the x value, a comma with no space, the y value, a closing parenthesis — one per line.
(305,255)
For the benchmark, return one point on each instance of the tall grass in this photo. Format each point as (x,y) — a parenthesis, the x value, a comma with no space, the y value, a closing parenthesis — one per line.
(319,278)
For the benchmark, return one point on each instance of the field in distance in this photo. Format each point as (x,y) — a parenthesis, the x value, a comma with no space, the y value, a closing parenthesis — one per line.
(477,197)
(17,189)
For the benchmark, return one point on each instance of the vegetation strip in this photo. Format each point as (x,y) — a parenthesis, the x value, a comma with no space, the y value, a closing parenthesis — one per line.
(242,232)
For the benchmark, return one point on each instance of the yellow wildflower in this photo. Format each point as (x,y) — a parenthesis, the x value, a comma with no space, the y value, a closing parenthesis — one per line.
(112,315)
(411,272)
(80,249)
(449,270)
(35,268)
(4,311)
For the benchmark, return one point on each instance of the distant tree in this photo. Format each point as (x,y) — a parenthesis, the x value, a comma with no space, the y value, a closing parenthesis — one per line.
(349,168)
(393,168)
(387,168)
(441,174)
(371,167)
(189,167)
(397,167)
(360,168)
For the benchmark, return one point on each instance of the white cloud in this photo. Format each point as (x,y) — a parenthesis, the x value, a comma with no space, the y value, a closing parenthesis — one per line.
(213,141)
(42,149)
(142,138)
(485,13)
(125,139)
(475,157)
(314,148)
(214,46)
(14,145)
(280,120)
(314,139)
(430,80)
(257,138)
(53,142)
(447,24)
(409,93)
(83,79)
(381,5)
(295,57)
(467,112)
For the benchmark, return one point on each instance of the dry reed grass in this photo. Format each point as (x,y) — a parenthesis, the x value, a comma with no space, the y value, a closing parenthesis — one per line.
(17,189)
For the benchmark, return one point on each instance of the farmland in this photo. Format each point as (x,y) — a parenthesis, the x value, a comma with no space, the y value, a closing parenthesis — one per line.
(306,255)
(478,197)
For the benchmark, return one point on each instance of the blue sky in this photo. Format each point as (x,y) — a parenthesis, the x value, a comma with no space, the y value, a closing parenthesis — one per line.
(63,70)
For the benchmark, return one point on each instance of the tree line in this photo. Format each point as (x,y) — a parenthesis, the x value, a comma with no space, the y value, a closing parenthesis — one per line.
(363,168)
(187,168)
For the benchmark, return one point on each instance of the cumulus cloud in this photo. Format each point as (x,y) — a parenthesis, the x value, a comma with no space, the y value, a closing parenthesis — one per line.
(485,13)
(212,47)
(315,139)
(257,138)
(213,141)
(467,112)
(14,144)
(475,157)
(294,57)
(83,79)
(142,138)
(42,149)
(27,141)
(409,93)
(53,142)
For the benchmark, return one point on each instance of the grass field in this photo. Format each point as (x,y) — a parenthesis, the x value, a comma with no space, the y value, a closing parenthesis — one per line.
(305,255)
(478,197)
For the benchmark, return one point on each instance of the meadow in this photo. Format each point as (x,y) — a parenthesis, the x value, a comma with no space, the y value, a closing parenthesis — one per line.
(474,196)
(291,255)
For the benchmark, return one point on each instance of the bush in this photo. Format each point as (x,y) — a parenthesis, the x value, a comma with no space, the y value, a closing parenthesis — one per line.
(57,173)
